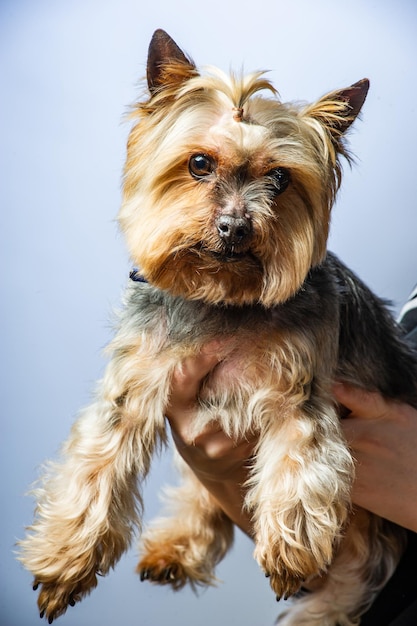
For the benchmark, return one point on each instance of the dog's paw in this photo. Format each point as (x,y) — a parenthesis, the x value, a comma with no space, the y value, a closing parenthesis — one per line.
(291,557)
(286,567)
(284,583)
(55,597)
(173,563)
(163,573)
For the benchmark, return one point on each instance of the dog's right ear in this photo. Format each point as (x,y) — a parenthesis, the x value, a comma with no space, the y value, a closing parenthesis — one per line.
(167,63)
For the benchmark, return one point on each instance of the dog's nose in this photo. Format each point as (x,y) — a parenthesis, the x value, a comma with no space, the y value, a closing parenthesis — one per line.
(233,230)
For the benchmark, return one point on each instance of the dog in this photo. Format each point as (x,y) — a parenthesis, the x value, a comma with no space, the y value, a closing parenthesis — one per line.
(227,197)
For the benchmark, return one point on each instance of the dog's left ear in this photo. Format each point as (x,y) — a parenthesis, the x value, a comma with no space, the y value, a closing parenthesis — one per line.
(167,63)
(339,109)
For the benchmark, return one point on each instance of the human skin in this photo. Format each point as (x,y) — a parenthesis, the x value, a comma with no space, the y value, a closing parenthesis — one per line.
(382,435)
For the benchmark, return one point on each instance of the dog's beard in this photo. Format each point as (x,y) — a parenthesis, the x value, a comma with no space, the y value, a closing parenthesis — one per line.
(182,251)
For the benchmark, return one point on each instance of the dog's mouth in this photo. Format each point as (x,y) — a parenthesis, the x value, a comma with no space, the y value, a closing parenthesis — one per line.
(226,254)
(229,256)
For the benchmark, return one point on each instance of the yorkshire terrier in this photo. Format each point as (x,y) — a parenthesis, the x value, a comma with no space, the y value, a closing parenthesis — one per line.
(226,209)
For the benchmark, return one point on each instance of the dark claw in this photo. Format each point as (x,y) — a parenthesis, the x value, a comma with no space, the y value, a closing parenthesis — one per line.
(35,586)
(267,575)
(71,600)
(50,620)
(144,575)
(167,574)
(42,614)
(278,598)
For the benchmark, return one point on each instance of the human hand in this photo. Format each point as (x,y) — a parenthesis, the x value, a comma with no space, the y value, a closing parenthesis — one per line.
(383,437)
(219,462)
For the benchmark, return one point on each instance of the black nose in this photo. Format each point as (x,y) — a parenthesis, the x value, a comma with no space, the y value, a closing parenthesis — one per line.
(233,230)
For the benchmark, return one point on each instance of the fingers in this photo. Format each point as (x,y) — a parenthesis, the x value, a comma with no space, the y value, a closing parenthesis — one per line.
(361,403)
(188,375)
(186,382)
(363,424)
(187,378)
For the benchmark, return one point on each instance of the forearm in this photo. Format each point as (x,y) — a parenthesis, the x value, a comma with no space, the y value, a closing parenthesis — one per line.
(230,496)
(222,468)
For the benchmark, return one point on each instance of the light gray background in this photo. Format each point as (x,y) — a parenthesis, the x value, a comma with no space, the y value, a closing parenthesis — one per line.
(69,68)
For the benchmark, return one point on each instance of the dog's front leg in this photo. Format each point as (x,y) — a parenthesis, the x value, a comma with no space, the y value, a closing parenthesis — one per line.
(299,494)
(88,504)
(363,563)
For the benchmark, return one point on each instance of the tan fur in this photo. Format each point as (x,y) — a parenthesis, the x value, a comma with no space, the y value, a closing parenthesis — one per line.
(183,553)
(273,378)
(201,116)
(351,581)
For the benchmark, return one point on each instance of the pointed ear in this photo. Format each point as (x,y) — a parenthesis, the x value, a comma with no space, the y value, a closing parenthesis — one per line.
(339,109)
(167,64)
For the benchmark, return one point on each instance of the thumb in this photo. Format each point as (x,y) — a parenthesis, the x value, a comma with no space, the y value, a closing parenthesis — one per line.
(188,374)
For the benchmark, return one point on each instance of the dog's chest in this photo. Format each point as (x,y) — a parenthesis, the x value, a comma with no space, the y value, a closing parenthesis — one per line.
(254,341)
(259,351)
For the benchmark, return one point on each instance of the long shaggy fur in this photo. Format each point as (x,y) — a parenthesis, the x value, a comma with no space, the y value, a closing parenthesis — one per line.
(226,210)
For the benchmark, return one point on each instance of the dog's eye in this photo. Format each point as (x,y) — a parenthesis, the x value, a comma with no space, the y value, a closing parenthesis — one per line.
(201,165)
(278,180)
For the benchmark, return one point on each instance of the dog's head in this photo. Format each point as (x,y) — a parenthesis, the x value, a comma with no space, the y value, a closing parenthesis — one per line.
(227,190)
